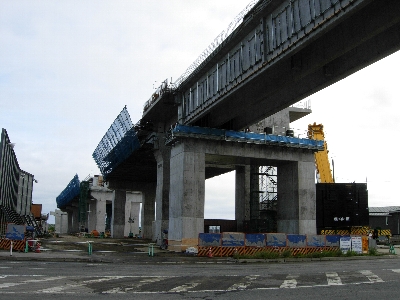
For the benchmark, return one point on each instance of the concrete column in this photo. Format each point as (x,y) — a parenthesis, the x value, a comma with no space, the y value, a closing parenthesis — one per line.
(132,211)
(118,214)
(73,219)
(91,221)
(61,221)
(98,206)
(148,210)
(242,196)
(100,215)
(186,197)
(162,156)
(296,197)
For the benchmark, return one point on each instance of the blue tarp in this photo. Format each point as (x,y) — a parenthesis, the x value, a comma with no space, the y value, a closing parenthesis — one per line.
(119,142)
(69,193)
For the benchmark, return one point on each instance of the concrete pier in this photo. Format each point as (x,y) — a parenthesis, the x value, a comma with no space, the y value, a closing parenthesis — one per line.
(118,214)
(161,223)
(186,197)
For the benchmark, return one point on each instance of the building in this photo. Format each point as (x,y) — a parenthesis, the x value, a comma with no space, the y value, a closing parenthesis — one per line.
(15,187)
(387,217)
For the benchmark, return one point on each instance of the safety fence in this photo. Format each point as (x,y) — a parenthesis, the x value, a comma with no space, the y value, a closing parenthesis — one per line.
(230,243)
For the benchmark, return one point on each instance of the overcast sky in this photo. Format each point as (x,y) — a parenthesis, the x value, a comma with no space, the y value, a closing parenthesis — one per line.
(67,68)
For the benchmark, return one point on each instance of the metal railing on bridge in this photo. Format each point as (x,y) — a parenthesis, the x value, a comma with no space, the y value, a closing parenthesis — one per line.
(239,136)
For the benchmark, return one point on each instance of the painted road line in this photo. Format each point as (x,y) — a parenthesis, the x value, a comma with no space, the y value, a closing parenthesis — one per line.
(371,276)
(290,282)
(333,278)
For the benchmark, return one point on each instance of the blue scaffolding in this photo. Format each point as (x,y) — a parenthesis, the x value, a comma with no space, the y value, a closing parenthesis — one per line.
(117,144)
(69,193)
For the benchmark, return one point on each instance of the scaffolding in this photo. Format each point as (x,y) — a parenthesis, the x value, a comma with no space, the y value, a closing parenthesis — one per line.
(84,193)
(117,144)
(69,193)
(263,199)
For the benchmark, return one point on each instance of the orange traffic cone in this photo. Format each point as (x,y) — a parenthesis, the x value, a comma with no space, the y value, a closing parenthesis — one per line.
(209,254)
(37,250)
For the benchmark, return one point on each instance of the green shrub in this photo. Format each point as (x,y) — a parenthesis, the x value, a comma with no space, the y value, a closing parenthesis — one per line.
(286,253)
(373,252)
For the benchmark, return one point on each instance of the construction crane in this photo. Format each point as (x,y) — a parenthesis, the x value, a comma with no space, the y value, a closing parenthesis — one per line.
(324,173)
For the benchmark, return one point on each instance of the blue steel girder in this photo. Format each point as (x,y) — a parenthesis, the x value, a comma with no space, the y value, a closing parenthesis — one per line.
(283,52)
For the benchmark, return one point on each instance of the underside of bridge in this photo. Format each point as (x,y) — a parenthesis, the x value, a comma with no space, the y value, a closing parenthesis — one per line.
(282,52)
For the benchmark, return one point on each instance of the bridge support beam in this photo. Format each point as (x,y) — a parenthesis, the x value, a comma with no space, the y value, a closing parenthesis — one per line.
(296,197)
(186,197)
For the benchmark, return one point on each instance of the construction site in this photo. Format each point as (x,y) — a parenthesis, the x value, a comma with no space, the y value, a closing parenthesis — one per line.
(231,111)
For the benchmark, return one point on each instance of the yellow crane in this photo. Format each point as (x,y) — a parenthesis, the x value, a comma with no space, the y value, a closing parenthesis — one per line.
(316,132)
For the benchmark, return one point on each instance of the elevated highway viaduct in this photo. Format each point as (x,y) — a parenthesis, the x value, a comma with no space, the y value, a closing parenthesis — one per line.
(282,52)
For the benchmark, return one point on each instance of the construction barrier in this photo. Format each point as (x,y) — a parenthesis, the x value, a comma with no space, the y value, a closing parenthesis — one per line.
(17,245)
(365,230)
(231,243)
(220,251)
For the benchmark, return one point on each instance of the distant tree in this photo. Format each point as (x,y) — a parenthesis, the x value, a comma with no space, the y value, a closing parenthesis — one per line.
(51,227)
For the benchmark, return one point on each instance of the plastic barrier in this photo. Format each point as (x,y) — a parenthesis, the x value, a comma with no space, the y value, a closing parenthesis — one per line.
(316,241)
(276,239)
(255,240)
(230,239)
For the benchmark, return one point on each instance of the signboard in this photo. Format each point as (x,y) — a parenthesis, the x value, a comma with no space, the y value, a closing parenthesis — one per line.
(356,244)
(15,232)
(365,244)
(345,244)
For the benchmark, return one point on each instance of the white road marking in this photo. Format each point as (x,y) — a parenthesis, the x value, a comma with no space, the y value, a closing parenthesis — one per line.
(371,276)
(333,278)
(10,284)
(61,288)
(290,282)
(185,287)
(243,285)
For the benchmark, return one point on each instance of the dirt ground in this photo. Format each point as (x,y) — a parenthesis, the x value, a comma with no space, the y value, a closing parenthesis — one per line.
(70,242)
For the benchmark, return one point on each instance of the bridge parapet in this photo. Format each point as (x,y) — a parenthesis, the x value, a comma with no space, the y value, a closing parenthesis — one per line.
(279,28)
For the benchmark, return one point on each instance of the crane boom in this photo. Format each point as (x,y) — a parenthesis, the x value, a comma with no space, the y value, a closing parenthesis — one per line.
(316,132)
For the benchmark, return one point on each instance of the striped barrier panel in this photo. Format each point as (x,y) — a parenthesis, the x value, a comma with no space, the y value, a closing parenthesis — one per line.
(17,245)
(230,251)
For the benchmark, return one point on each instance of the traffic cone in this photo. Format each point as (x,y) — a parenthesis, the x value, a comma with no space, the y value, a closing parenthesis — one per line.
(37,250)
(209,254)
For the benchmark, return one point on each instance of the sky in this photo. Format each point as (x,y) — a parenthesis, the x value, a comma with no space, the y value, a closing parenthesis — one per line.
(67,69)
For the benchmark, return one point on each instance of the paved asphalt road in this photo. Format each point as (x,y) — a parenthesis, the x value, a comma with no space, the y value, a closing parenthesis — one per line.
(200,279)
